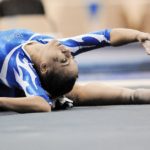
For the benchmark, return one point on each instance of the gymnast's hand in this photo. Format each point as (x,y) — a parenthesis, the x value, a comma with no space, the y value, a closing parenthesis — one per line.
(144,38)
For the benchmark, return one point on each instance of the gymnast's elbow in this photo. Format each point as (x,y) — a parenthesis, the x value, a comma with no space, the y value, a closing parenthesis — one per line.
(47,109)
(42,106)
(43,109)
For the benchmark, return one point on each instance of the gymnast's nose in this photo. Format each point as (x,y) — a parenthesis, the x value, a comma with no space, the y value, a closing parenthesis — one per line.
(67,52)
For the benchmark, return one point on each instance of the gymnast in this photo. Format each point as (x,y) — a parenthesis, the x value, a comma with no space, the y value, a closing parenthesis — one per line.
(37,70)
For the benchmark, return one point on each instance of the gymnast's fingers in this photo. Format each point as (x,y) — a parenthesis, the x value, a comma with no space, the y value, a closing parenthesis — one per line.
(146,45)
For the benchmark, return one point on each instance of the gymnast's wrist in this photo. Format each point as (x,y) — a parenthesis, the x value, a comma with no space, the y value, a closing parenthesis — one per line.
(142,37)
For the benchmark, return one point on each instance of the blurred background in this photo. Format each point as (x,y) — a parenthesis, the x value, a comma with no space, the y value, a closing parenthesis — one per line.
(63,18)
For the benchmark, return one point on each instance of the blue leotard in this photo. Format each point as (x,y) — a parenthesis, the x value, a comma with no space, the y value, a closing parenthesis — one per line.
(16,68)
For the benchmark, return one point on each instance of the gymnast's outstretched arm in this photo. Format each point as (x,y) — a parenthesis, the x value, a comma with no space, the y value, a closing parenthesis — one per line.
(102,38)
(102,94)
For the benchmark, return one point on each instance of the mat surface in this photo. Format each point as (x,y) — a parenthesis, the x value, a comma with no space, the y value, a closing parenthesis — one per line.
(106,127)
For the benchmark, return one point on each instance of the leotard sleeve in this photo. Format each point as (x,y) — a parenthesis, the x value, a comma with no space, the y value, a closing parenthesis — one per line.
(87,42)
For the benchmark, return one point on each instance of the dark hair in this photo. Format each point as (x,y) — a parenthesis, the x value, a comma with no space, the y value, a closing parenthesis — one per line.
(59,81)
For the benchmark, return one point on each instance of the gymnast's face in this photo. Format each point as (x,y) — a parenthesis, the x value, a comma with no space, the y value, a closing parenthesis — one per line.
(58,53)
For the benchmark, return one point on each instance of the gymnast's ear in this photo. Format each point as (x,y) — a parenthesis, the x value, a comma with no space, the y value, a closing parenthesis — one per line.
(43,68)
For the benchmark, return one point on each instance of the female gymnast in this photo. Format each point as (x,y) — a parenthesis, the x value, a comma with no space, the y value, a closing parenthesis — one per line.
(35,69)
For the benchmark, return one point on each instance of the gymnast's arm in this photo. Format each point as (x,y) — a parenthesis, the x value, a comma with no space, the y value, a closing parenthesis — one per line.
(25,104)
(114,37)
(122,36)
